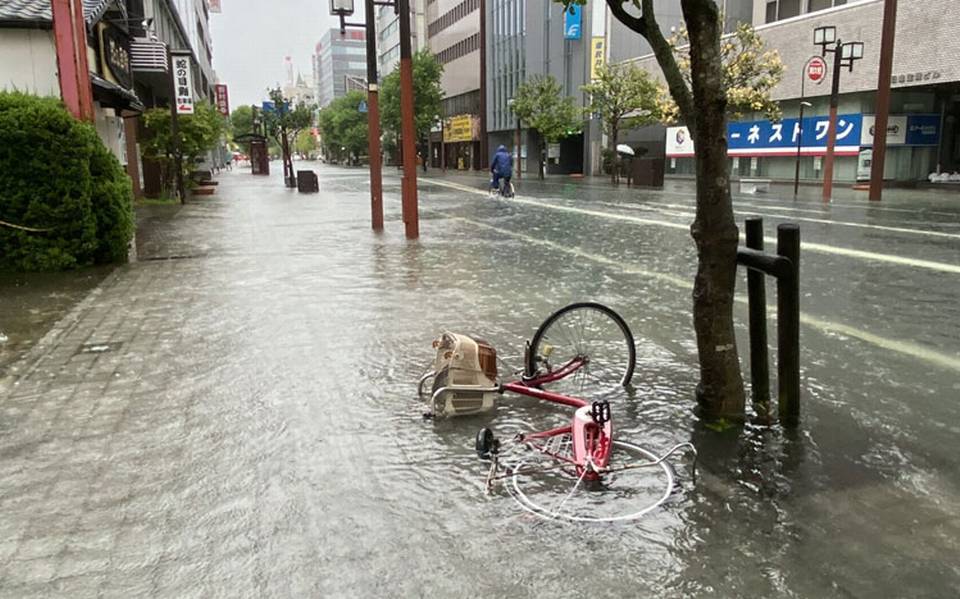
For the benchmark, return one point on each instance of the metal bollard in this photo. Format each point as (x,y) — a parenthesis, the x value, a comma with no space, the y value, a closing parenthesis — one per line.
(757,306)
(788,327)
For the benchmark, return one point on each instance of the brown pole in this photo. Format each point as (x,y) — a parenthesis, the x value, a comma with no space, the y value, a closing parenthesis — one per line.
(832,128)
(519,156)
(373,120)
(883,99)
(411,218)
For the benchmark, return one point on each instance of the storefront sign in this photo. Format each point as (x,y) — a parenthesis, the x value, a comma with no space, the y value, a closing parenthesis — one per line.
(572,22)
(115,56)
(896,130)
(917,77)
(923,130)
(766,138)
(183,83)
(598,56)
(223,99)
(459,129)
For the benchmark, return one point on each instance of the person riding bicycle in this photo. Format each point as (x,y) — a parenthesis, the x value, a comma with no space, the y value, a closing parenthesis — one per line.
(502,168)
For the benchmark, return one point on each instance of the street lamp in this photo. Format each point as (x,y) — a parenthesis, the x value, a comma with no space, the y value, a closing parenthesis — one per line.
(796,173)
(510,103)
(844,55)
(342,9)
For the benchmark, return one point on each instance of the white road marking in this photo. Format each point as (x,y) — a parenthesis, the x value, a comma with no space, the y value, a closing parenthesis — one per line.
(902,347)
(806,245)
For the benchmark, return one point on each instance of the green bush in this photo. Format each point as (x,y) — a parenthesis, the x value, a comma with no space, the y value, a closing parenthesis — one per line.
(56,174)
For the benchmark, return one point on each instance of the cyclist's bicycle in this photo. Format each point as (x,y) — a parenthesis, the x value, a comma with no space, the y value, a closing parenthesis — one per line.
(504,189)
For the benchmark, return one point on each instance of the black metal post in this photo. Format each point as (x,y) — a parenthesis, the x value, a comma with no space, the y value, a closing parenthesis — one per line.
(757,306)
(788,327)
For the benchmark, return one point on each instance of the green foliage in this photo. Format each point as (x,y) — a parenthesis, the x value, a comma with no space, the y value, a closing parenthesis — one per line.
(427,96)
(306,143)
(241,123)
(56,175)
(750,72)
(540,103)
(286,119)
(343,128)
(624,97)
(199,133)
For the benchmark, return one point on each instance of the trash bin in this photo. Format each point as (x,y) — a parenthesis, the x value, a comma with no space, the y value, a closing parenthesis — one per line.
(307,182)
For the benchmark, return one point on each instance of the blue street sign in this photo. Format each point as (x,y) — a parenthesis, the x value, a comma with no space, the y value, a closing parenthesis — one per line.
(572,23)
(362,107)
(269,107)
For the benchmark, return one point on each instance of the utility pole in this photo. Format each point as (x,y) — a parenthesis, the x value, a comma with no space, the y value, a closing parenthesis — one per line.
(883,99)
(373,120)
(411,218)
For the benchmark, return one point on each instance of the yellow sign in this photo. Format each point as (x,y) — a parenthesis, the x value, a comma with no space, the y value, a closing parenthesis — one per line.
(459,128)
(598,56)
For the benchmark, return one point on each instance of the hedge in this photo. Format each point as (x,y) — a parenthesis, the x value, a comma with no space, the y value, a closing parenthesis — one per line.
(56,175)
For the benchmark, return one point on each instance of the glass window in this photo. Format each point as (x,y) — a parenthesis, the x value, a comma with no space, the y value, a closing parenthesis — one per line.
(789,8)
(816,5)
(771,11)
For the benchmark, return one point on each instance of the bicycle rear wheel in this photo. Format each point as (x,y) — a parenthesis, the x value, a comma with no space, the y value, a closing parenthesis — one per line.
(592,332)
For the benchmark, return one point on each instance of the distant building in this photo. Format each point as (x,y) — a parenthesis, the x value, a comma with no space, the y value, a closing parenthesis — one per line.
(453,34)
(337,58)
(300,92)
(923,134)
(388,34)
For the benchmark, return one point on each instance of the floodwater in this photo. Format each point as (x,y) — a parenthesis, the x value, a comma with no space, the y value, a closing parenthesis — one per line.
(282,449)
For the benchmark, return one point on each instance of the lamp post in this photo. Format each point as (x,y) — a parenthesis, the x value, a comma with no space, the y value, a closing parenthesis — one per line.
(796,171)
(883,99)
(844,55)
(517,141)
(343,9)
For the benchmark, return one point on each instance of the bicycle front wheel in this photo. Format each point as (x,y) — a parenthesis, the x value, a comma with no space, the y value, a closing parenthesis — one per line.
(589,331)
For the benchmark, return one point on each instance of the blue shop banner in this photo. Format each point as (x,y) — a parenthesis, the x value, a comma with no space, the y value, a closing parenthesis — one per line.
(766,138)
(572,22)
(923,130)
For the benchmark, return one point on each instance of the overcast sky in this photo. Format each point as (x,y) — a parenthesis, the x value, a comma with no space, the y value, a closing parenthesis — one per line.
(252,37)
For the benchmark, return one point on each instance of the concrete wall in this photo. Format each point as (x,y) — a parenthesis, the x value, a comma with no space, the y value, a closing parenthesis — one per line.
(462,74)
(29,62)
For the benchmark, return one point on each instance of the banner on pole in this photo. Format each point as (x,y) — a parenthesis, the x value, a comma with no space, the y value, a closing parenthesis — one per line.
(183,83)
(598,56)
(572,22)
(223,99)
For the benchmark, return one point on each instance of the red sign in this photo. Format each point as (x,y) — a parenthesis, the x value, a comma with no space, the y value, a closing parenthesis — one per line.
(223,101)
(816,69)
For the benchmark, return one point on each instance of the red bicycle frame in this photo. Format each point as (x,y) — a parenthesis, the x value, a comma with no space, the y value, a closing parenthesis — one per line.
(591,441)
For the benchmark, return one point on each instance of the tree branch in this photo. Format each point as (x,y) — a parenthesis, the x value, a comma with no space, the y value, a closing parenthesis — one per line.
(647,26)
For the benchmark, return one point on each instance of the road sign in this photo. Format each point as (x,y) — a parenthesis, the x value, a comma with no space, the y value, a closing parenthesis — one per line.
(816,70)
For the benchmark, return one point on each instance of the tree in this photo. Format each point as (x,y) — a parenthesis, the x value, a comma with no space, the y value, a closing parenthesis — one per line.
(343,128)
(624,97)
(540,103)
(702,103)
(427,97)
(306,143)
(241,123)
(283,123)
(200,132)
(750,72)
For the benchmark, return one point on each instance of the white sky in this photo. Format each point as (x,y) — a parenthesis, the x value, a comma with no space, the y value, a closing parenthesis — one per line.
(252,37)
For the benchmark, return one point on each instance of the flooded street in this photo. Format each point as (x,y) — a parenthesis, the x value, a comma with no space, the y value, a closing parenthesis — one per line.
(236,413)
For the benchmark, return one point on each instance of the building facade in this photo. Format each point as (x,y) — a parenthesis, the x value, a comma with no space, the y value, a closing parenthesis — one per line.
(923,134)
(453,34)
(388,34)
(337,58)
(526,39)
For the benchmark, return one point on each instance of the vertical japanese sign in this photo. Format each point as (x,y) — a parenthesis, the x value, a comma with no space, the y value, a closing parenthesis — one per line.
(572,22)
(183,83)
(223,99)
(598,56)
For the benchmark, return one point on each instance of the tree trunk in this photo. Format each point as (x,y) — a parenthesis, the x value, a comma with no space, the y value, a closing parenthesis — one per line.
(612,146)
(543,158)
(720,392)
